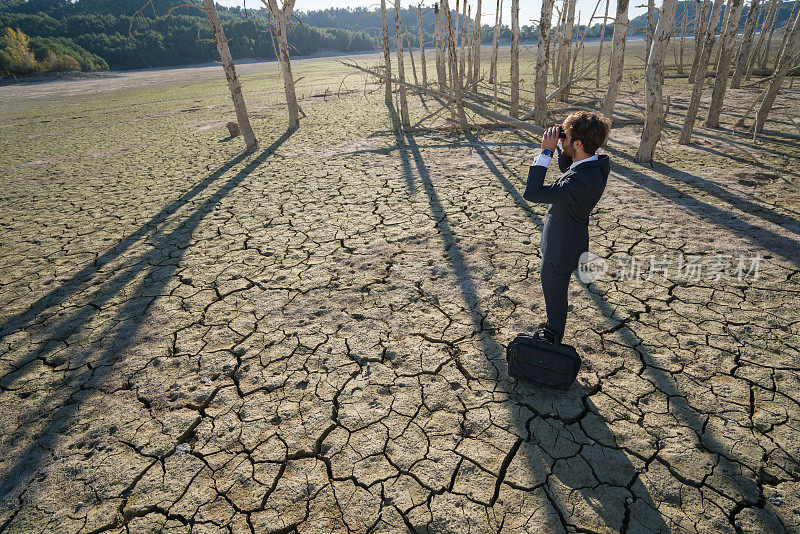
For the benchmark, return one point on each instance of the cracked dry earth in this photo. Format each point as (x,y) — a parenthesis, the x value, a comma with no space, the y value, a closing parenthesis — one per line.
(311,337)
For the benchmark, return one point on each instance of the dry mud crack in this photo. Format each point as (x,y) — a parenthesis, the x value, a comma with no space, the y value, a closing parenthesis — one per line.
(311,337)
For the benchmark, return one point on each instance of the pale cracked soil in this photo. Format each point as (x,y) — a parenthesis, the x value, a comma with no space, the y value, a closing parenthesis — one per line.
(312,337)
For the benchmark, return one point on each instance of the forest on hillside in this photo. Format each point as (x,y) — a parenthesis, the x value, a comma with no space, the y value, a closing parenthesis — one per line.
(119,34)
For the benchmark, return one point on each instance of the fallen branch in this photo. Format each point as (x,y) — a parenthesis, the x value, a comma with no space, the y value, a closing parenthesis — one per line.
(480,110)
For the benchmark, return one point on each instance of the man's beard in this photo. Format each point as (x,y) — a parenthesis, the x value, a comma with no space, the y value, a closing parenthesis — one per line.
(568,149)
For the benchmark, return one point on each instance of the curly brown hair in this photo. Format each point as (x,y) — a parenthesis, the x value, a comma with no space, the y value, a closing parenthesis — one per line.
(589,127)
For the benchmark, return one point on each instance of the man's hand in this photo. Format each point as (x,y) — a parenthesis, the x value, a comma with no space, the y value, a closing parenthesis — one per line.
(550,138)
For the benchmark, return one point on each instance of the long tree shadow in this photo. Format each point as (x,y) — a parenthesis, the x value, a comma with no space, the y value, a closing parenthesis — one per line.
(118,337)
(780,245)
(616,511)
(80,280)
(738,474)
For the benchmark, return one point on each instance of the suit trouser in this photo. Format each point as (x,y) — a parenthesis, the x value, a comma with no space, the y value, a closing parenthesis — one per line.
(555,282)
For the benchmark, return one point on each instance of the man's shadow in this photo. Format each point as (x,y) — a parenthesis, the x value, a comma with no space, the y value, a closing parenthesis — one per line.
(558,447)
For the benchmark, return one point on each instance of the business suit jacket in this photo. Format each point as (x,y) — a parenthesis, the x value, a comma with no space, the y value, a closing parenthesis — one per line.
(572,198)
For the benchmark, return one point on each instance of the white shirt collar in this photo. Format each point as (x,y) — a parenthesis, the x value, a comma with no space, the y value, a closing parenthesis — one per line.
(576,163)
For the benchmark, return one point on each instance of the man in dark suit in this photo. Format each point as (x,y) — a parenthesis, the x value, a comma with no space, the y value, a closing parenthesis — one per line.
(571,199)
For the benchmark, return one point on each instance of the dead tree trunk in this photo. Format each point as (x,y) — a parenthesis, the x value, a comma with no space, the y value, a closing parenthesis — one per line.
(744,55)
(651,12)
(786,33)
(785,62)
(476,49)
(654,79)
(514,109)
(600,51)
(280,18)
(768,44)
(683,35)
(700,75)
(542,60)
(453,59)
(441,71)
(469,50)
(422,47)
(242,118)
(411,55)
(762,35)
(498,21)
(700,31)
(617,58)
(462,68)
(401,75)
(387,56)
(567,57)
(718,44)
(723,67)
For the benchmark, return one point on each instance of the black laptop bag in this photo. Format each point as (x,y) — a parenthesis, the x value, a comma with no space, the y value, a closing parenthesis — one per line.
(541,362)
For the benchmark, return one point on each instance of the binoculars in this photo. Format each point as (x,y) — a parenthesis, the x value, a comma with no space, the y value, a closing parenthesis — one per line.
(561,134)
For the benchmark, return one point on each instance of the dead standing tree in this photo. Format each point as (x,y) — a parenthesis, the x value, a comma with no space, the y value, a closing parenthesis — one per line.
(438,34)
(700,30)
(785,62)
(651,12)
(400,67)
(235,87)
(279,18)
(723,66)
(700,74)
(566,58)
(514,111)
(654,80)
(387,56)
(229,67)
(498,22)
(600,51)
(745,49)
(762,34)
(617,58)
(542,60)
(453,61)
(476,48)
(422,46)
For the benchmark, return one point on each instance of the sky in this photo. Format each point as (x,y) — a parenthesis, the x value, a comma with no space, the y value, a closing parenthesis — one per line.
(527,11)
